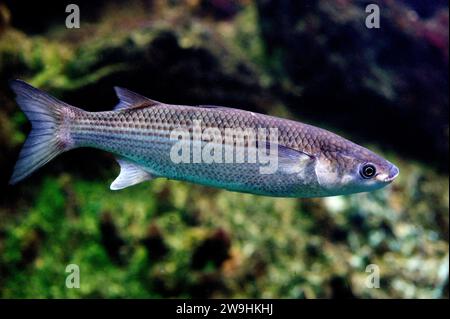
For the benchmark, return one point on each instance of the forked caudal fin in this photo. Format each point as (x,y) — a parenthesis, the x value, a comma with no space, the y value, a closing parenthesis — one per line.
(49,136)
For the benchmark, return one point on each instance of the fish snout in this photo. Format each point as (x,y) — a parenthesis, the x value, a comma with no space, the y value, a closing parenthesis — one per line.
(393,173)
(388,176)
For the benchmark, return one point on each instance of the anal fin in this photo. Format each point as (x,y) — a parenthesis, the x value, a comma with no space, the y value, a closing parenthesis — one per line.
(130,174)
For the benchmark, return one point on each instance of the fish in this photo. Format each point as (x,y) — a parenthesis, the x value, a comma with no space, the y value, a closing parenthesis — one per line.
(148,138)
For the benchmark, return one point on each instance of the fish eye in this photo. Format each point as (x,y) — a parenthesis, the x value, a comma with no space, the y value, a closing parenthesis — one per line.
(368,171)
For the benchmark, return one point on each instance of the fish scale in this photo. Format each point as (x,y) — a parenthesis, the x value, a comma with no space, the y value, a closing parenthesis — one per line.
(152,126)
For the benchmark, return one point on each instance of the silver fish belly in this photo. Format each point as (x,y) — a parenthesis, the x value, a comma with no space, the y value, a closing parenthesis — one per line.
(311,162)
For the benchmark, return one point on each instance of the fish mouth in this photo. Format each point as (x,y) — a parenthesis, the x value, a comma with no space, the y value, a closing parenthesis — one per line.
(393,173)
(389,176)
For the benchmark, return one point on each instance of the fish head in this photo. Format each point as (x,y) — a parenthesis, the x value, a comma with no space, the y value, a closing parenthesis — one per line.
(352,169)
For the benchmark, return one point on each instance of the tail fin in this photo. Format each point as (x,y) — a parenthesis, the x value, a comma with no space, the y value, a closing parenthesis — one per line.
(48,137)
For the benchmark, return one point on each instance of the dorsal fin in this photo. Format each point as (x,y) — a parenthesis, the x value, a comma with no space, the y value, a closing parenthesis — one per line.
(212,107)
(131,100)
(209,106)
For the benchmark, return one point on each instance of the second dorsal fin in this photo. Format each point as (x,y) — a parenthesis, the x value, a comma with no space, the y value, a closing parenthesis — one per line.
(130,100)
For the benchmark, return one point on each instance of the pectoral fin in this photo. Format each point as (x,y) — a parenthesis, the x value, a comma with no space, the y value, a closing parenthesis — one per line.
(292,161)
(130,174)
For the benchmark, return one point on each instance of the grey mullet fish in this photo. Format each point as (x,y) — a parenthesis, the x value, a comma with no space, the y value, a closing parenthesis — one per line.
(312,162)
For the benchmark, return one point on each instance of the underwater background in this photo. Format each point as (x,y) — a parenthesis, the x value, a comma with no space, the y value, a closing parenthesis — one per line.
(313,61)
